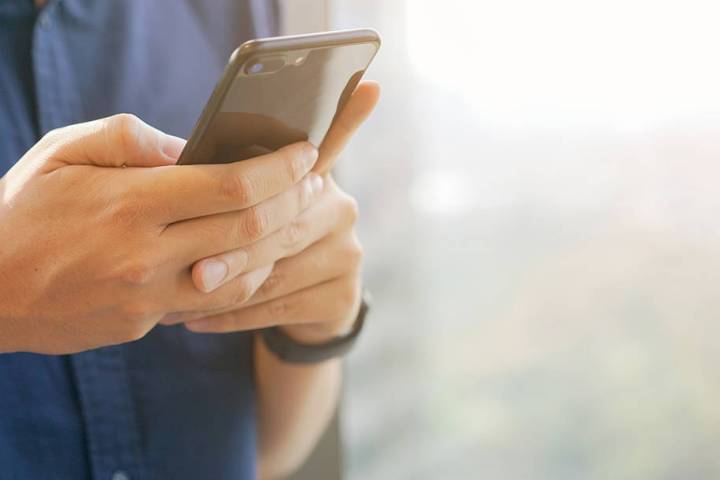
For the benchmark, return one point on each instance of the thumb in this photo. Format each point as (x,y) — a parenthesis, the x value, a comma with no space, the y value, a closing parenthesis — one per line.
(121,140)
(356,111)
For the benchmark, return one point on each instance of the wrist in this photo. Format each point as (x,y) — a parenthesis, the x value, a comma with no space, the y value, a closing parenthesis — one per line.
(321,332)
(312,333)
(317,344)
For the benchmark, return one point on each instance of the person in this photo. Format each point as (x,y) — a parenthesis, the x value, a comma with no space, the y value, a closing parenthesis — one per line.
(132,290)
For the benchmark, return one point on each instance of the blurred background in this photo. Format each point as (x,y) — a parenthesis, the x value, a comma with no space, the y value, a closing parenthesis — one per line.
(539,190)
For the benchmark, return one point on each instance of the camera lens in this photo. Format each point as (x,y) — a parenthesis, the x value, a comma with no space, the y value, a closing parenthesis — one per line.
(265,65)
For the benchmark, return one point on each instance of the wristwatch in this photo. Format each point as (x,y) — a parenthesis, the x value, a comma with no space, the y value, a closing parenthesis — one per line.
(291,351)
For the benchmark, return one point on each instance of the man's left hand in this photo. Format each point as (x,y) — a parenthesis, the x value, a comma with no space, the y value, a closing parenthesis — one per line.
(314,289)
(314,292)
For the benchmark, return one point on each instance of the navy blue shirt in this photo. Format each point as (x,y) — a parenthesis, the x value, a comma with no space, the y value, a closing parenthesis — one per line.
(174,405)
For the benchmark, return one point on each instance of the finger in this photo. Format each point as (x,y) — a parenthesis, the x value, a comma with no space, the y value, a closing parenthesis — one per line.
(187,299)
(332,257)
(316,265)
(330,213)
(356,111)
(189,191)
(116,141)
(327,302)
(216,234)
(177,318)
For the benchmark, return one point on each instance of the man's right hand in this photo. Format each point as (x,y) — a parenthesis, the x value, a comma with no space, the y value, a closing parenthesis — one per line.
(93,254)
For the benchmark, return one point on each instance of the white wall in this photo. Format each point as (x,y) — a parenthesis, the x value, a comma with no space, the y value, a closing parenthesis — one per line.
(304,16)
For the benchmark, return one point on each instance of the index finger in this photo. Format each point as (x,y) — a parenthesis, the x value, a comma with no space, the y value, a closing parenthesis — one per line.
(181,192)
(356,111)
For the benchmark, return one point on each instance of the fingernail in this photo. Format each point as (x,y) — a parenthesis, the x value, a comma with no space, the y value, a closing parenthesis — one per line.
(311,156)
(316,183)
(214,272)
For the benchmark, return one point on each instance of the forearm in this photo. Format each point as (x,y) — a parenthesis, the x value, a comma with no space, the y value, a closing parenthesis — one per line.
(296,402)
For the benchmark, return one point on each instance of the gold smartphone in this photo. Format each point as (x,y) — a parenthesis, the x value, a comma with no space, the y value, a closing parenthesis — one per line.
(278,91)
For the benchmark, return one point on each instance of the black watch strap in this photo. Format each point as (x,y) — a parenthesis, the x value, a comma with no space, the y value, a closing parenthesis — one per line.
(291,351)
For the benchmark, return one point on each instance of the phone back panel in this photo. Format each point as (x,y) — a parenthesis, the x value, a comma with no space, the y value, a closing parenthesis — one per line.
(293,95)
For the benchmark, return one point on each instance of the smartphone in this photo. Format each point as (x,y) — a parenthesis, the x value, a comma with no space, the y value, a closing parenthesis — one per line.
(278,91)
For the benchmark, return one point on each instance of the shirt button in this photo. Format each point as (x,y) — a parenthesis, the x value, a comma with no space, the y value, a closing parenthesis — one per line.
(120,475)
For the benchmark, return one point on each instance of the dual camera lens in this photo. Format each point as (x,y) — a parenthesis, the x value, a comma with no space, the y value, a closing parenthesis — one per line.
(272,64)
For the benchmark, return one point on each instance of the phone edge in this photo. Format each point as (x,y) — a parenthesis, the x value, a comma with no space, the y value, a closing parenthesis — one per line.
(270,45)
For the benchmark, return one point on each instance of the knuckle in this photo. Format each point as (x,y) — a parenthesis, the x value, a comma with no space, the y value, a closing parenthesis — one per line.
(137,272)
(354,253)
(279,308)
(237,188)
(304,194)
(350,208)
(53,135)
(295,165)
(253,224)
(123,129)
(270,284)
(292,235)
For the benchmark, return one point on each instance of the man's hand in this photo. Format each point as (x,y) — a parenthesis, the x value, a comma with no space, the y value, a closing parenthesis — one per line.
(313,291)
(314,288)
(94,254)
